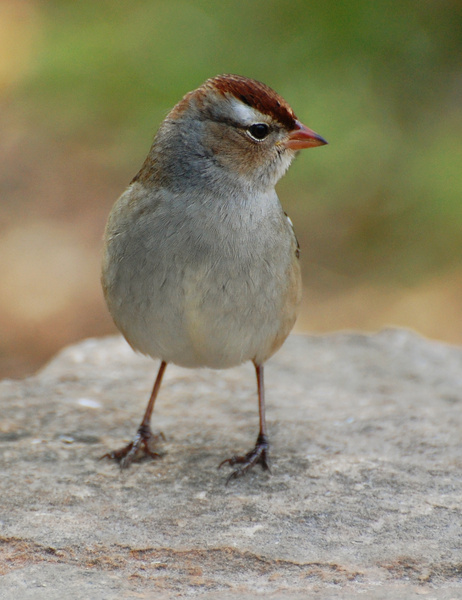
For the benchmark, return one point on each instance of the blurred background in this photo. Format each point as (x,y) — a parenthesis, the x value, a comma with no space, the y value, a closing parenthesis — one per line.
(378,212)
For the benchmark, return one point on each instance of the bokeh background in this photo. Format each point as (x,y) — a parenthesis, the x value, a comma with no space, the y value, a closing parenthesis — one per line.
(378,212)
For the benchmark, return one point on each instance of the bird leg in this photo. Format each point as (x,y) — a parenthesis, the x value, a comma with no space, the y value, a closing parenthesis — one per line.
(259,454)
(144,438)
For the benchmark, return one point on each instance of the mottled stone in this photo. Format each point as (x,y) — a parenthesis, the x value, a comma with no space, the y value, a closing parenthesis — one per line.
(364,498)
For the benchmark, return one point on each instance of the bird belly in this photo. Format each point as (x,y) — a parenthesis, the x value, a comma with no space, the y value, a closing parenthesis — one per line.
(213,296)
(234,319)
(215,316)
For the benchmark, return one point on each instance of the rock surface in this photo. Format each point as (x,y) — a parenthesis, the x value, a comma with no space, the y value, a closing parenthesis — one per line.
(364,498)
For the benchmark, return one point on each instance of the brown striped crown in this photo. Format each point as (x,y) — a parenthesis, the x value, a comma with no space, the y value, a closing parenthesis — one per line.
(254,94)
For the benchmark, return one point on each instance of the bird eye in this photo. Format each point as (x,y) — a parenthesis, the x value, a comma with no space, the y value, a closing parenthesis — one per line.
(258,131)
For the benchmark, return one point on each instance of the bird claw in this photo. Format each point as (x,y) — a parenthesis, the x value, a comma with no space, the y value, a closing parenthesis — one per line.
(137,449)
(259,455)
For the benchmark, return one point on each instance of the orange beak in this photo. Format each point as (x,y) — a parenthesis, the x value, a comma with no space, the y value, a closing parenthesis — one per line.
(301,137)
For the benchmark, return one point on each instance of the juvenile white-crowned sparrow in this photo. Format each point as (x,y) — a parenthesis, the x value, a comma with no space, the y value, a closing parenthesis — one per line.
(200,261)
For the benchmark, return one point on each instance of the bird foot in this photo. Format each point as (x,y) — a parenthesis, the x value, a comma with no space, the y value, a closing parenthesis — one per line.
(259,455)
(140,447)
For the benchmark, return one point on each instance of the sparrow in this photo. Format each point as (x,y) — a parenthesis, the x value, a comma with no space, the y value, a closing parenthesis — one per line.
(201,263)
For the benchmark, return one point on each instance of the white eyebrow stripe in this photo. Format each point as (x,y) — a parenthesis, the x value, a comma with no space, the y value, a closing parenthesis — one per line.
(245,114)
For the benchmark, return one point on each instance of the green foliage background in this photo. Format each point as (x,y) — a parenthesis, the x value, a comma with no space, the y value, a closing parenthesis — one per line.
(378,209)
(382,81)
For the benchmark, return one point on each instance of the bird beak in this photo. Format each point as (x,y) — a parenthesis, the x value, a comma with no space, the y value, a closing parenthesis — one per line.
(301,137)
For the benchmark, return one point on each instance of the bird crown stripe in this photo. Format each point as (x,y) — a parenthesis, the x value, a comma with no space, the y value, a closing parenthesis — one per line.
(256,95)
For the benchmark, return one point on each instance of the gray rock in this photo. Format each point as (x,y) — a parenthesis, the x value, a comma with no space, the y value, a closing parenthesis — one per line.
(364,497)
